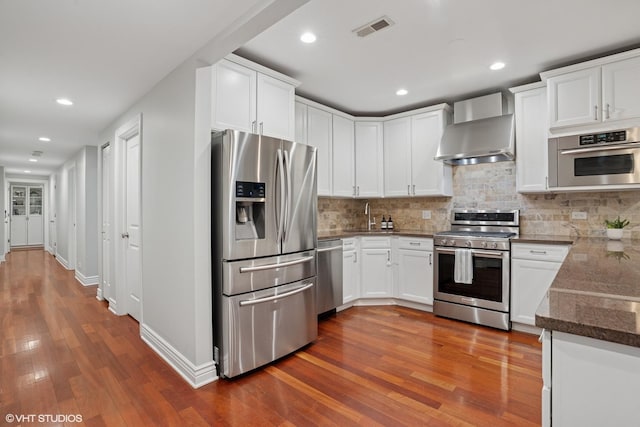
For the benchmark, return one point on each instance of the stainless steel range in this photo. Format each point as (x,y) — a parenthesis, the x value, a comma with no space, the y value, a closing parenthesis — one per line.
(472,267)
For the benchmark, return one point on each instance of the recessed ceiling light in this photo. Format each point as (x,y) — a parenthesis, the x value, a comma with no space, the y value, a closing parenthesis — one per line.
(64,101)
(27,171)
(308,37)
(402,92)
(497,66)
(44,139)
(33,160)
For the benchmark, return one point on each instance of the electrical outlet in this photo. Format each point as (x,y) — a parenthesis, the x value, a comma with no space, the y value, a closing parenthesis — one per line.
(578,215)
(426,214)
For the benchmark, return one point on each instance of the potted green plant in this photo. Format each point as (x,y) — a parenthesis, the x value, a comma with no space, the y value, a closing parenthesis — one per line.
(614,228)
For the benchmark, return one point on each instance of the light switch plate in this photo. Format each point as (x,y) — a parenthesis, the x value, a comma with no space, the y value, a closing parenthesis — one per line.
(426,214)
(578,215)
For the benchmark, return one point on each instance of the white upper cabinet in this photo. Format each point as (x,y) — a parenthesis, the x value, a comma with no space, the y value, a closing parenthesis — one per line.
(301,122)
(531,140)
(595,93)
(621,89)
(369,159)
(410,144)
(574,98)
(429,177)
(397,157)
(320,135)
(343,157)
(249,98)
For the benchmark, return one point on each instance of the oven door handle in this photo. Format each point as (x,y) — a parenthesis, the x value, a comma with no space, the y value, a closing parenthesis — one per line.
(601,148)
(485,254)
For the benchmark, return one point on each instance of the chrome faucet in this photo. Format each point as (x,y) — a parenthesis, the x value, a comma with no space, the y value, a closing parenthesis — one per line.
(367,211)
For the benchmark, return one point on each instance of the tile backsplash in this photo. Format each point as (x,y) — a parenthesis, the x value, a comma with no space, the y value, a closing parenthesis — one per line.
(490,186)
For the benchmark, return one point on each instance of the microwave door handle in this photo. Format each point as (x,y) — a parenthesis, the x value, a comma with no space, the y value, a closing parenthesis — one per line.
(601,148)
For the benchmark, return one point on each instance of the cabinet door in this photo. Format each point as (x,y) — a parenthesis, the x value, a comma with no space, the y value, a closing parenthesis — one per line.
(18,230)
(415,276)
(350,276)
(343,157)
(574,98)
(276,108)
(429,177)
(369,165)
(233,97)
(530,281)
(621,89)
(531,140)
(35,224)
(319,135)
(376,273)
(301,123)
(397,157)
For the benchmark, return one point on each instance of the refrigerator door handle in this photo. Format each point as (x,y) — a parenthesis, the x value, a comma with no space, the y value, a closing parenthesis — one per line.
(280,213)
(275,297)
(287,222)
(277,265)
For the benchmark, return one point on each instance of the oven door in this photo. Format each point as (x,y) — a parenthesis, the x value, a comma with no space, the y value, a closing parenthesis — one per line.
(490,285)
(615,164)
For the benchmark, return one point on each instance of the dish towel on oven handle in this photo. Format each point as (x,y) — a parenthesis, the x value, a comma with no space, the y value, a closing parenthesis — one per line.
(463,266)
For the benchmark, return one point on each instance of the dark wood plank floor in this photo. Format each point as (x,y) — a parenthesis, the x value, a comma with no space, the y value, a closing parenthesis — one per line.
(63,352)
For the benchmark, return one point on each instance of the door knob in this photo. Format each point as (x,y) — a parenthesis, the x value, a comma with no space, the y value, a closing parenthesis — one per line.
(125,235)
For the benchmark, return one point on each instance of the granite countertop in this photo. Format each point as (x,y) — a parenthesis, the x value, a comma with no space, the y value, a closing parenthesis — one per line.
(342,234)
(543,239)
(596,292)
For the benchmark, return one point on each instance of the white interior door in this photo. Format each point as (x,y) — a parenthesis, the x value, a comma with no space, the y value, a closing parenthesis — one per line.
(107,292)
(132,235)
(72,218)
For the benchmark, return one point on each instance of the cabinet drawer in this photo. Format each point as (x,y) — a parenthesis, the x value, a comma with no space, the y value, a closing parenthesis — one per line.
(552,253)
(349,244)
(375,242)
(418,244)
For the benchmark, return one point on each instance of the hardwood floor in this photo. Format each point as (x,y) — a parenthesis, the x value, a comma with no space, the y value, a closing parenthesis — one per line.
(63,352)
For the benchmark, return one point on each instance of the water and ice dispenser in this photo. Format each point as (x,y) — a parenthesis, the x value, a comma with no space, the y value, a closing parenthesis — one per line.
(250,201)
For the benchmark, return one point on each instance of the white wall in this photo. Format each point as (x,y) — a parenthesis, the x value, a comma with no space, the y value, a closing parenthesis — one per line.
(84,167)
(4,205)
(176,259)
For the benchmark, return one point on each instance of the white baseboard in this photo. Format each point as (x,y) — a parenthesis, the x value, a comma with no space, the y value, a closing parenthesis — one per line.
(521,327)
(99,296)
(63,262)
(196,376)
(86,280)
(2,259)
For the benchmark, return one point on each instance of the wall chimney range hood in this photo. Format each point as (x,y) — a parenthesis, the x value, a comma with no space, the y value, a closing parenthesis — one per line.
(481,133)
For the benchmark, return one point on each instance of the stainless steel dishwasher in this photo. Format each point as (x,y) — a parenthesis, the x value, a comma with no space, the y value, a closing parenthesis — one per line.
(329,287)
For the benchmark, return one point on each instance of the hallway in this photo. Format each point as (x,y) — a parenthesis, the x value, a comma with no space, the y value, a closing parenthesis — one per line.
(63,353)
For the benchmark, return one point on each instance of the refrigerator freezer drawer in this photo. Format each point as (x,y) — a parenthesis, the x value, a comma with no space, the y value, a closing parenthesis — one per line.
(262,273)
(266,325)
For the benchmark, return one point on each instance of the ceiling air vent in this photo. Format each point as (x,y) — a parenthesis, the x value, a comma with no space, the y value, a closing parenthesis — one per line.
(36,154)
(372,27)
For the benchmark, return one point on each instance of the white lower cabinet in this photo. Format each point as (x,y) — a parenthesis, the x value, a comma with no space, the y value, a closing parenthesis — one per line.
(414,278)
(350,271)
(375,269)
(593,382)
(533,268)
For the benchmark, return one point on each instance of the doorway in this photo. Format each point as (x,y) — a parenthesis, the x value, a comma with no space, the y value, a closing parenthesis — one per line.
(26,215)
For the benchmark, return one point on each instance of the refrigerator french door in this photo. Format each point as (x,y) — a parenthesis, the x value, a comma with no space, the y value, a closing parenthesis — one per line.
(263,245)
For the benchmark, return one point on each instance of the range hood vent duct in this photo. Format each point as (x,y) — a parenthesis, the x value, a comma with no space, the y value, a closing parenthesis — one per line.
(488,139)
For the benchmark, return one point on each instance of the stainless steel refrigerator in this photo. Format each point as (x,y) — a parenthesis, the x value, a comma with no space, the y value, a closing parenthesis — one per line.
(264,210)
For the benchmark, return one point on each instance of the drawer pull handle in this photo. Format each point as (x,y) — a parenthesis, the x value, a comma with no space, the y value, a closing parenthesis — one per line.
(538,252)
(414,243)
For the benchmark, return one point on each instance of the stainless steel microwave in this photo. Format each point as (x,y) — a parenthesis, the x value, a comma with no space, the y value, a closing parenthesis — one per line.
(606,158)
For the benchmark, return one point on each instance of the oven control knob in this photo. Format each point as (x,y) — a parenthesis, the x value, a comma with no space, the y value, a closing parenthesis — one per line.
(494,245)
(483,244)
(468,243)
(452,242)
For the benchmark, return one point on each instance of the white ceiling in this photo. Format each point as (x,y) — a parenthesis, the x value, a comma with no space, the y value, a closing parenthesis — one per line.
(439,50)
(104,55)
